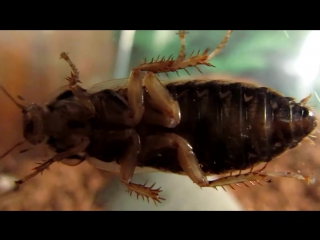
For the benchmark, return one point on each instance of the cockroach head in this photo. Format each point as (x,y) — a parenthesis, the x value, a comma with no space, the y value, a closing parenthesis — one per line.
(33,120)
(33,124)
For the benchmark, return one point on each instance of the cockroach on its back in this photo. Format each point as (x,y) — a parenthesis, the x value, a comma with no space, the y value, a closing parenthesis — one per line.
(196,128)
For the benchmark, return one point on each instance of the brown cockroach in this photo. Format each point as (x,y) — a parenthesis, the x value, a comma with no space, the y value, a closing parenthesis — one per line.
(197,128)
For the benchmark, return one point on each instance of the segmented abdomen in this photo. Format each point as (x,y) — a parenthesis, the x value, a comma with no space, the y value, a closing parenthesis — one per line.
(229,125)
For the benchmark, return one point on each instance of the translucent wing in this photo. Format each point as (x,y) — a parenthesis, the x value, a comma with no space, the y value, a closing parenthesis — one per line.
(115,168)
(53,95)
(109,84)
(116,84)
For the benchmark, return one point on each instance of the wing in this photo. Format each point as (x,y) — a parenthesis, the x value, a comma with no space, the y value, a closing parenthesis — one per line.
(116,84)
(115,168)
(53,95)
(109,84)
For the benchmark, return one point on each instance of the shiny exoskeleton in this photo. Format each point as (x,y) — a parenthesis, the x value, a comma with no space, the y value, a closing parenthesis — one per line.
(256,125)
(197,128)
(231,125)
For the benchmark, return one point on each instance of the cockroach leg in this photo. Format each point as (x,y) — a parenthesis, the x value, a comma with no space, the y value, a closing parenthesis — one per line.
(220,46)
(45,165)
(83,143)
(161,101)
(159,95)
(170,65)
(145,192)
(129,160)
(152,116)
(308,179)
(236,179)
(128,163)
(182,54)
(135,96)
(75,74)
(255,177)
(79,92)
(186,157)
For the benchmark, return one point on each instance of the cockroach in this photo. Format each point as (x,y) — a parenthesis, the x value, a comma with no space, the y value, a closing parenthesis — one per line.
(196,128)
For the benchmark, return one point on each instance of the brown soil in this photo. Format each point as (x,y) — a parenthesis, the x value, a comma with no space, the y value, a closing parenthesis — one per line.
(60,188)
(284,193)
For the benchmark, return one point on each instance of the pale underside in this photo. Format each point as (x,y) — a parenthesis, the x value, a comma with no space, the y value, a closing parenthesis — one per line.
(114,168)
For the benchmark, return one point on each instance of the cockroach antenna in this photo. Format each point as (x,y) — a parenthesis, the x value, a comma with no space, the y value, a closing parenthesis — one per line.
(11,149)
(304,101)
(12,99)
(21,107)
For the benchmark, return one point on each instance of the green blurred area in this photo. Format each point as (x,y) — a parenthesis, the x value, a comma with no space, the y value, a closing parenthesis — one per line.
(261,55)
(246,51)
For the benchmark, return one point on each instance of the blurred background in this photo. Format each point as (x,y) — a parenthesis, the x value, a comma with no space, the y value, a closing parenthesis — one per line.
(287,61)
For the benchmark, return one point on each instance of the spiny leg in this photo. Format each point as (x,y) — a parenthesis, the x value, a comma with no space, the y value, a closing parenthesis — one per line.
(154,117)
(162,101)
(160,98)
(215,52)
(182,54)
(186,157)
(256,176)
(82,144)
(218,49)
(159,95)
(129,159)
(75,88)
(170,65)
(203,59)
(128,163)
